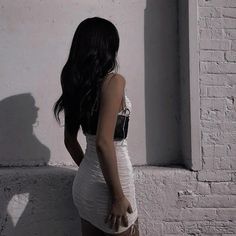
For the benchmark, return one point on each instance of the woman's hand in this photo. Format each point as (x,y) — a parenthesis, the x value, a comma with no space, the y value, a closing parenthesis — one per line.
(118,213)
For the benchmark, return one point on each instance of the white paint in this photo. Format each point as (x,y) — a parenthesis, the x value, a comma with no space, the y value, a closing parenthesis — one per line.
(35,38)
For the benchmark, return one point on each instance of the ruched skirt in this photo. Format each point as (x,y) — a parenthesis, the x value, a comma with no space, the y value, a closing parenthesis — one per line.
(90,192)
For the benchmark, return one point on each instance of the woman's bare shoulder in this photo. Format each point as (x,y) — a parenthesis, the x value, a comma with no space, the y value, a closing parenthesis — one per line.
(114,81)
(118,75)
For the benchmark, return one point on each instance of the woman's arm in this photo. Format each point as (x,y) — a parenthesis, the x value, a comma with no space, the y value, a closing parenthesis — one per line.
(72,145)
(111,98)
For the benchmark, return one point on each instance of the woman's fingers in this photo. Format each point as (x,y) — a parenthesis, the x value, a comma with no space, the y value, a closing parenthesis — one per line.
(118,221)
(130,210)
(113,221)
(125,220)
(108,218)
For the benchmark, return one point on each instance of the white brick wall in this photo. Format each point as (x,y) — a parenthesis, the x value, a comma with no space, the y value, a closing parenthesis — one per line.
(217,39)
(217,50)
(205,202)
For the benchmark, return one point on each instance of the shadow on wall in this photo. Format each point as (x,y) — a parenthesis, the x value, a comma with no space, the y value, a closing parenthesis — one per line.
(18,144)
(33,200)
(162,84)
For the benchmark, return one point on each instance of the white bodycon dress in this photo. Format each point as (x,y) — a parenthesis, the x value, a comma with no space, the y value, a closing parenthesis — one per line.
(90,192)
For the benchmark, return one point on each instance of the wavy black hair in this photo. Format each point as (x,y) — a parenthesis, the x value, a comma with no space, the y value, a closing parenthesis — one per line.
(92,57)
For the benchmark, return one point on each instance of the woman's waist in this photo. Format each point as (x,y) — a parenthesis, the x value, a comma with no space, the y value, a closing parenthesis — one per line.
(91,170)
(91,156)
(91,162)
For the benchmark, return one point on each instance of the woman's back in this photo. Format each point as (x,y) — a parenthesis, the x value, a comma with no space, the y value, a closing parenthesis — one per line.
(90,120)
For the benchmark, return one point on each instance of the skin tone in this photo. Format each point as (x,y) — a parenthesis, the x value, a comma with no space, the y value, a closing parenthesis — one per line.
(111,99)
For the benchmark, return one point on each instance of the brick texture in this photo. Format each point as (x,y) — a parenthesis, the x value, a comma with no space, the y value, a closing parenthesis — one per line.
(204,203)
(217,64)
(211,208)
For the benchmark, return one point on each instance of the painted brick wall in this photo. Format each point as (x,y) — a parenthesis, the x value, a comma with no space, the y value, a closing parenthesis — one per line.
(217,32)
(202,202)
(212,210)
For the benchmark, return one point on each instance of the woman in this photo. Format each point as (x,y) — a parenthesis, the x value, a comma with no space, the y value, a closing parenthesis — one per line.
(92,98)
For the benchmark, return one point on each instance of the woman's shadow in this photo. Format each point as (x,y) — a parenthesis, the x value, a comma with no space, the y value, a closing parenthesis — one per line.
(35,198)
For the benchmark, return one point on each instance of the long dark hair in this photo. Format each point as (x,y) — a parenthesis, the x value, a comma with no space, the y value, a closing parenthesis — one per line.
(92,57)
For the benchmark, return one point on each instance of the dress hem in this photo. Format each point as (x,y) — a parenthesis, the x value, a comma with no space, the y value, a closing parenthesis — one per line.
(104,230)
